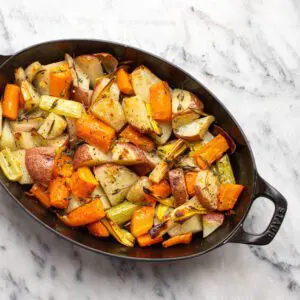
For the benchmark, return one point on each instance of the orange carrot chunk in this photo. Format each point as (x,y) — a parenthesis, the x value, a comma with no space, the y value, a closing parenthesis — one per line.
(142,220)
(211,151)
(137,138)
(161,189)
(161,102)
(95,132)
(63,166)
(98,229)
(11,101)
(178,239)
(59,193)
(40,193)
(190,180)
(124,82)
(83,182)
(228,195)
(86,214)
(146,240)
(60,82)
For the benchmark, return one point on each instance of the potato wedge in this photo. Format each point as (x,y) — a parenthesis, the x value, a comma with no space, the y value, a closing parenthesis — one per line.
(19,155)
(53,126)
(127,154)
(184,101)
(178,187)
(89,156)
(146,167)
(99,193)
(108,61)
(80,79)
(183,118)
(195,130)
(81,95)
(136,114)
(142,80)
(109,110)
(136,192)
(113,89)
(32,70)
(166,132)
(207,187)
(116,181)
(193,225)
(39,163)
(26,125)
(211,222)
(91,66)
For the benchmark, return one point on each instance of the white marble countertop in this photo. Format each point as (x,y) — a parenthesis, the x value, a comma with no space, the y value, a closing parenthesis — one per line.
(248,54)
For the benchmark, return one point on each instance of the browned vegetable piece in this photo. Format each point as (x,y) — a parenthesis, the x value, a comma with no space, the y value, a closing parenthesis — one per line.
(178,187)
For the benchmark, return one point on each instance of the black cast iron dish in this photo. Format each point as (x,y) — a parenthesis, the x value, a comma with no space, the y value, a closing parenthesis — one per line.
(242,160)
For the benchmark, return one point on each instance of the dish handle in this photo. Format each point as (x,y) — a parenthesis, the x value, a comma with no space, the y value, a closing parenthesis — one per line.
(4,58)
(264,189)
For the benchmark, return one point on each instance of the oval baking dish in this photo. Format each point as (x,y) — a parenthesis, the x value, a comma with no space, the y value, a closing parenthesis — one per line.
(242,160)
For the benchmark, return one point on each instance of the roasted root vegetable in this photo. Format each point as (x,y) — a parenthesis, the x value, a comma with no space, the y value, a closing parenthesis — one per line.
(160,101)
(127,154)
(211,222)
(193,225)
(89,213)
(89,156)
(32,70)
(142,220)
(179,190)
(146,240)
(207,187)
(10,165)
(19,156)
(95,132)
(98,229)
(122,212)
(228,195)
(39,163)
(40,192)
(194,130)
(117,151)
(59,193)
(185,238)
(10,103)
(83,182)
(136,192)
(108,109)
(63,166)
(60,81)
(211,151)
(224,170)
(142,80)
(124,82)
(116,181)
(53,126)
(190,182)
(136,138)
(62,107)
(30,96)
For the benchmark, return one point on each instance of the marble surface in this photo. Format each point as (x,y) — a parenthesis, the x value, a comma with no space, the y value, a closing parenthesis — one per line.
(248,54)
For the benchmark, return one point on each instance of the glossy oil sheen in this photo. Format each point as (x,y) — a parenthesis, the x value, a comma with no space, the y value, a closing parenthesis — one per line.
(242,160)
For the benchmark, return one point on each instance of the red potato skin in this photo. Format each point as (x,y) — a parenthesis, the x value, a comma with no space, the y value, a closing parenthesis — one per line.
(204,201)
(39,163)
(144,168)
(80,95)
(140,157)
(178,187)
(82,156)
(197,103)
